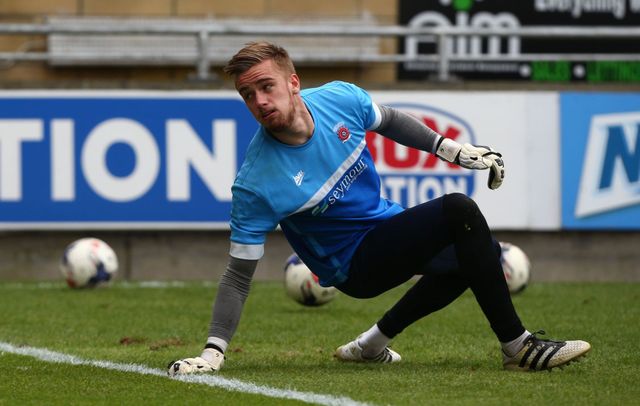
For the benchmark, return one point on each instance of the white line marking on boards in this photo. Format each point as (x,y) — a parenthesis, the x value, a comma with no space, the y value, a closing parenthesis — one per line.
(211,380)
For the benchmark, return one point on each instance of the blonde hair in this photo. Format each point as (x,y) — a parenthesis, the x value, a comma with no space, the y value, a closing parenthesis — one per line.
(256,52)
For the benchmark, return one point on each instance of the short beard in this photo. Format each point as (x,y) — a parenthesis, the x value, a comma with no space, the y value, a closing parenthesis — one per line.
(286,123)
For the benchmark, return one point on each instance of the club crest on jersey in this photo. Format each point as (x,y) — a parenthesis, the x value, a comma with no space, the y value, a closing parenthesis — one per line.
(342,131)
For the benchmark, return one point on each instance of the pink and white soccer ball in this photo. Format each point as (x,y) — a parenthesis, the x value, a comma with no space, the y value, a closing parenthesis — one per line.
(516,267)
(88,262)
(302,285)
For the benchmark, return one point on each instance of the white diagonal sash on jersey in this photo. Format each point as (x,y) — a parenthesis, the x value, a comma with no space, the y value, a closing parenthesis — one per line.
(335,177)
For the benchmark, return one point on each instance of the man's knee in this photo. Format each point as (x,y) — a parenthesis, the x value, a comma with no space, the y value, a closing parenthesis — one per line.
(460,208)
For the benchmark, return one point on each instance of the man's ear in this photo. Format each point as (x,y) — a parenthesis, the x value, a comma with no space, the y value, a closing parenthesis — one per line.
(294,82)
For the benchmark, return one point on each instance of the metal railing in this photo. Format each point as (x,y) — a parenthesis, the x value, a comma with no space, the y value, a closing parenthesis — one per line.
(441,37)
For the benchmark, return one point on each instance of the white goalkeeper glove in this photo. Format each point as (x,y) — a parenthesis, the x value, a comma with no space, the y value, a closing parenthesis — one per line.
(473,157)
(211,360)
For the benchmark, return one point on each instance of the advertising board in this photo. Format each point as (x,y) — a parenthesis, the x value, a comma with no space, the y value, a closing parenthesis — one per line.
(522,126)
(491,54)
(120,159)
(600,160)
(163,160)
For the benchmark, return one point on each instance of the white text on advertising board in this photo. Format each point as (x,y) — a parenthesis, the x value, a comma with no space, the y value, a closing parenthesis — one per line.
(611,168)
(185,152)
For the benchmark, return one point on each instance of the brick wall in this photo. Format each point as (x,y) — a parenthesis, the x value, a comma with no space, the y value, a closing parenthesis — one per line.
(21,9)
(39,75)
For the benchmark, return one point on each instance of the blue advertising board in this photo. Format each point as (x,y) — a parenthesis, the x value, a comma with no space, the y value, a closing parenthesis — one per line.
(600,160)
(120,160)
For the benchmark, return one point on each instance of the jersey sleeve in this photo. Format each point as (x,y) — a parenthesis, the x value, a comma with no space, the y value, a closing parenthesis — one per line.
(368,111)
(251,220)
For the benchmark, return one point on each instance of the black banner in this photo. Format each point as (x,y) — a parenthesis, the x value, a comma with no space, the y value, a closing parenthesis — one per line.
(516,14)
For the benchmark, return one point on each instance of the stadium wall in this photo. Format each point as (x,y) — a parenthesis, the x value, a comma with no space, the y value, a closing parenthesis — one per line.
(199,255)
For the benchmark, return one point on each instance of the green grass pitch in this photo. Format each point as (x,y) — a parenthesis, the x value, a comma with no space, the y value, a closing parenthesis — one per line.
(450,357)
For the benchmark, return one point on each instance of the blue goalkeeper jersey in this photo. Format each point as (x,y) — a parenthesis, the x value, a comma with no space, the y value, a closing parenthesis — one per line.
(324,194)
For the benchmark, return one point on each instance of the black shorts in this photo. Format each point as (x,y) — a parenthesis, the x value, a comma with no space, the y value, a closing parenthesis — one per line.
(414,242)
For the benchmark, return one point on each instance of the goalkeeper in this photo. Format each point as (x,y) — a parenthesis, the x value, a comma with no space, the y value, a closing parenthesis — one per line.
(308,170)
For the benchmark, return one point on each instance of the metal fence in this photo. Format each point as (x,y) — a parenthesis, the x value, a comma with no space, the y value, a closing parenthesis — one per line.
(350,43)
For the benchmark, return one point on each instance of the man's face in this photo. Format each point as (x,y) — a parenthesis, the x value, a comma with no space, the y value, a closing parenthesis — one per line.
(269,93)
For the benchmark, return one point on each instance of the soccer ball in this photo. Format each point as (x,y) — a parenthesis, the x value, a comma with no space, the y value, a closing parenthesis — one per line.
(516,267)
(88,262)
(302,285)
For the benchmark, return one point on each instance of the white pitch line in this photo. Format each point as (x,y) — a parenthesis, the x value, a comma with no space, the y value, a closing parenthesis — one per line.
(211,380)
